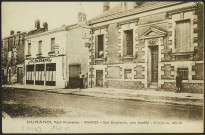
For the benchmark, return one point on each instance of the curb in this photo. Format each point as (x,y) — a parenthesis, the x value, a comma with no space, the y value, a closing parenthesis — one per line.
(144,98)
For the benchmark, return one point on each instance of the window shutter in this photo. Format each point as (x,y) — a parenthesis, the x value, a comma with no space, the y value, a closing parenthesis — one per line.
(124,43)
(183,36)
(96,46)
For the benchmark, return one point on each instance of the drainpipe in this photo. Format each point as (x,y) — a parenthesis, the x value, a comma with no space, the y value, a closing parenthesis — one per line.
(66,64)
(91,56)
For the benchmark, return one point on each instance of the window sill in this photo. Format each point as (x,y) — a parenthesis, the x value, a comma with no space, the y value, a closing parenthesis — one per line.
(127,57)
(183,53)
(100,59)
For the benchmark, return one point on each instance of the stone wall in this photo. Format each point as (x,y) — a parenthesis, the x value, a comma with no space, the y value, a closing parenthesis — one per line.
(187,87)
(124,84)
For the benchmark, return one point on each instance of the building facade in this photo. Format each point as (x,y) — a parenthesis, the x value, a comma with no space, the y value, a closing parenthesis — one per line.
(139,45)
(12,58)
(55,57)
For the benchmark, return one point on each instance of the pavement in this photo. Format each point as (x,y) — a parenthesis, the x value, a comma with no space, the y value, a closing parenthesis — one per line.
(148,95)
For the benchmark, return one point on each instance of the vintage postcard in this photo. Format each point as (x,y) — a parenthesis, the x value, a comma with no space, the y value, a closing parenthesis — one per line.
(102,67)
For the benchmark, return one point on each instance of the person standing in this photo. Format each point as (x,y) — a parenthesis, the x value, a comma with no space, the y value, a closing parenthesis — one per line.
(178,82)
(81,80)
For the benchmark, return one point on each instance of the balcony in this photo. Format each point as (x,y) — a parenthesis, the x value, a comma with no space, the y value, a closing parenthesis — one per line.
(39,55)
(28,56)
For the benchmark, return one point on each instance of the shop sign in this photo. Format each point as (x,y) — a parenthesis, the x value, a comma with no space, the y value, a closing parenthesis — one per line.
(40,60)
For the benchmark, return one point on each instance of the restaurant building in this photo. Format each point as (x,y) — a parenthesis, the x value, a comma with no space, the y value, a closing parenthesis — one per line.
(55,57)
(138,45)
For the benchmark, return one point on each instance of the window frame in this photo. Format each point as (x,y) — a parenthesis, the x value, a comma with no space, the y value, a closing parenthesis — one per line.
(52,44)
(97,46)
(29,48)
(125,45)
(189,42)
(185,75)
(40,47)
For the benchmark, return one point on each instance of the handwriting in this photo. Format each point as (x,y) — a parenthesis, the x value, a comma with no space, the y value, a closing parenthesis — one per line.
(35,129)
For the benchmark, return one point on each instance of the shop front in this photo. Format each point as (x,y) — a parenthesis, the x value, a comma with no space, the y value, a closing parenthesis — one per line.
(46,71)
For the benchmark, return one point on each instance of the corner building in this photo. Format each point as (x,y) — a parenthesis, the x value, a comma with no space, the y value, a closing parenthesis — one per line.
(138,45)
(55,57)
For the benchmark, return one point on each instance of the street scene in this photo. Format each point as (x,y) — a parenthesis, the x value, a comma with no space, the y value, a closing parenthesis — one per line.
(141,62)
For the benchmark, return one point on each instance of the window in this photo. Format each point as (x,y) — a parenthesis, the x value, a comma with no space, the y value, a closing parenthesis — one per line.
(29,74)
(128,73)
(52,44)
(29,48)
(39,74)
(40,47)
(50,74)
(128,42)
(183,73)
(183,36)
(99,46)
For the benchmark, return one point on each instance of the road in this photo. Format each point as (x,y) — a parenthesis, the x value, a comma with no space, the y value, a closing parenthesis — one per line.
(22,103)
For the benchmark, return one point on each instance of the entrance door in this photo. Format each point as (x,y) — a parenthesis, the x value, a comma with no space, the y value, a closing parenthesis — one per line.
(99,78)
(74,80)
(20,75)
(154,64)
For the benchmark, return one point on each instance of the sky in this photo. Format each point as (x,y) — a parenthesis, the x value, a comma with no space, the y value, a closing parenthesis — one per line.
(21,16)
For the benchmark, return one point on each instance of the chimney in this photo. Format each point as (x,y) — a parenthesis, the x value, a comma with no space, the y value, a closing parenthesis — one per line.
(106,6)
(12,32)
(37,24)
(123,6)
(45,26)
(18,32)
(82,17)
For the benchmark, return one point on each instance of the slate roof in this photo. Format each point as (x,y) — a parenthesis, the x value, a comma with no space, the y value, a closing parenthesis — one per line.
(116,11)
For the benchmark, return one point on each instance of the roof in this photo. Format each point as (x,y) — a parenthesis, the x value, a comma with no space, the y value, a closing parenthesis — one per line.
(116,11)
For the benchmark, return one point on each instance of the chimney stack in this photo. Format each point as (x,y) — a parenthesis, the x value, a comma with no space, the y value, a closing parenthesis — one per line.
(106,6)
(18,32)
(45,26)
(82,17)
(37,24)
(12,32)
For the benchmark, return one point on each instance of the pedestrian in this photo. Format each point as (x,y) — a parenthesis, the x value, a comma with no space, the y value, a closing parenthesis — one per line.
(81,80)
(178,82)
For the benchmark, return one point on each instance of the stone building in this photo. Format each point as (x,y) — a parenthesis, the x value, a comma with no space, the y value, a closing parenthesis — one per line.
(138,45)
(55,57)
(12,58)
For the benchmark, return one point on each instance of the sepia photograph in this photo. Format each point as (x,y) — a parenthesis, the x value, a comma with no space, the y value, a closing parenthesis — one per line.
(102,67)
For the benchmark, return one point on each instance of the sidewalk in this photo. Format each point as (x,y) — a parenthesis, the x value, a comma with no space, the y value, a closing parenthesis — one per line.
(153,96)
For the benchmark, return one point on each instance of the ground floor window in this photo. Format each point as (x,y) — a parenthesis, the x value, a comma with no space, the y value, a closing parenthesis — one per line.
(128,74)
(30,74)
(39,80)
(183,73)
(51,74)
(43,73)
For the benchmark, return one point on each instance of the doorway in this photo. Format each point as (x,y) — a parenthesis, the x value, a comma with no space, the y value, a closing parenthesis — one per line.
(20,75)
(154,64)
(74,80)
(99,78)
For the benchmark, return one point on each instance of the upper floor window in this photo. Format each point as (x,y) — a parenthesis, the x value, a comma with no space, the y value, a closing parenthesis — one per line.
(183,36)
(40,47)
(128,42)
(52,44)
(99,46)
(29,48)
